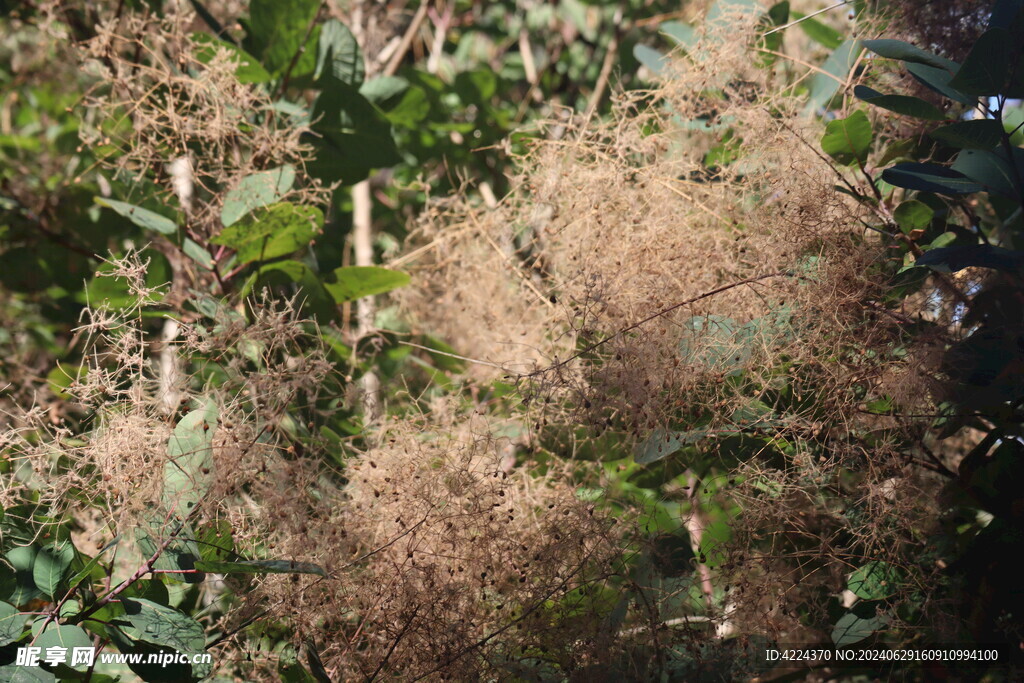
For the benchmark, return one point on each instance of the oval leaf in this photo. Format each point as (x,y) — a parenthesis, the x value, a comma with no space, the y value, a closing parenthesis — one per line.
(197,253)
(953,259)
(314,298)
(651,58)
(901,104)
(51,565)
(938,80)
(662,443)
(338,52)
(819,32)
(63,636)
(22,559)
(12,623)
(144,218)
(930,178)
(848,140)
(279,230)
(875,581)
(278,31)
(254,191)
(977,134)
(913,215)
(189,463)
(161,625)
(987,65)
(989,169)
(683,34)
(852,629)
(898,49)
(355,282)
(823,85)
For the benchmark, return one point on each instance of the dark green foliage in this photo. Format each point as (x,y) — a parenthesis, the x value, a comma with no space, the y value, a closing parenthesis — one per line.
(983,360)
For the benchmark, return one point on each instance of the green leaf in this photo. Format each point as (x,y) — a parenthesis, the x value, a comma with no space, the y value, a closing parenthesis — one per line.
(155,623)
(662,443)
(1013,123)
(823,86)
(22,559)
(339,52)
(12,673)
(289,670)
(989,169)
(938,80)
(852,629)
(63,636)
(141,653)
(278,230)
(355,282)
(930,178)
(942,240)
(776,17)
(476,87)
(12,623)
(875,580)
(51,565)
(260,567)
(314,296)
(382,88)
(953,259)
(278,30)
(726,10)
(351,136)
(975,134)
(986,67)
(913,215)
(249,69)
(94,562)
(187,472)
(654,61)
(848,140)
(819,32)
(725,153)
(316,666)
(62,376)
(144,218)
(255,191)
(197,253)
(106,289)
(411,110)
(903,51)
(215,541)
(682,34)
(180,552)
(901,104)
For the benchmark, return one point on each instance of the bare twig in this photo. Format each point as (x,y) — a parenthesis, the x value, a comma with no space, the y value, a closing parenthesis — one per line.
(410,33)
(659,314)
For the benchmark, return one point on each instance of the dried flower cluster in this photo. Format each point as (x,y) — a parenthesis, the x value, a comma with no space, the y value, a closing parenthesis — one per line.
(170,109)
(632,285)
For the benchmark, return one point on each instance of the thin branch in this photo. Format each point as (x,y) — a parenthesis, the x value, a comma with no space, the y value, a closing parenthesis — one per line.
(661,313)
(806,17)
(494,634)
(455,355)
(606,66)
(298,54)
(394,644)
(410,33)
